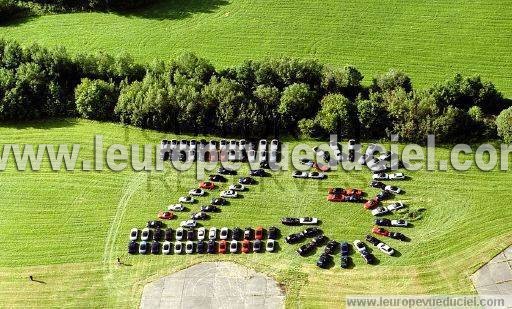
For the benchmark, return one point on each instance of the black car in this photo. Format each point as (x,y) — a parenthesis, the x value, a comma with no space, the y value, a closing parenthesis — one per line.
(324,260)
(264,164)
(383,222)
(259,172)
(248,233)
(273,232)
(168,234)
(133,247)
(237,233)
(155,224)
(256,246)
(219,201)
(397,235)
(331,247)
(294,238)
(336,191)
(217,178)
(158,234)
(345,248)
(305,249)
(290,221)
(368,257)
(209,208)
(311,232)
(201,247)
(143,248)
(155,247)
(319,240)
(182,157)
(226,171)
(246,181)
(383,195)
(190,234)
(377,184)
(374,241)
(344,261)
(212,247)
(198,216)
(306,162)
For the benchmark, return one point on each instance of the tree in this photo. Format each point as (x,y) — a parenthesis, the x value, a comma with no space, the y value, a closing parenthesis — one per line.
(373,117)
(453,125)
(392,80)
(227,98)
(96,99)
(297,102)
(504,125)
(338,115)
(346,81)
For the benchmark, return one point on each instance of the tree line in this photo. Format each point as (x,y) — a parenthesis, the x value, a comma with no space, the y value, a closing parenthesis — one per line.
(256,98)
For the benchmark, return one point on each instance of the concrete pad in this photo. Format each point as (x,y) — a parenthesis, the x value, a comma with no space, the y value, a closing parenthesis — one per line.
(505,288)
(213,285)
(498,258)
(508,253)
(495,277)
(488,290)
(482,277)
(500,272)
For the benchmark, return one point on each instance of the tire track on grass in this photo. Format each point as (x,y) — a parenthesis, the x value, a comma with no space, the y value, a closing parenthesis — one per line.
(130,189)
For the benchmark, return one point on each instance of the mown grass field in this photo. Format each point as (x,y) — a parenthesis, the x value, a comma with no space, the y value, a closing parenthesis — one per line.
(68,228)
(428,40)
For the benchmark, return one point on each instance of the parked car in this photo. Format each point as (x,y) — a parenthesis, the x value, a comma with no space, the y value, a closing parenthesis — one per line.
(212,247)
(165,215)
(154,224)
(345,249)
(331,247)
(158,234)
(395,206)
(217,178)
(246,246)
(344,261)
(308,220)
(219,201)
(324,260)
(197,192)
(168,234)
(311,232)
(397,176)
(178,247)
(180,233)
(198,216)
(385,248)
(368,257)
(273,232)
(383,222)
(319,240)
(258,233)
(380,231)
(271,245)
(259,172)
(299,174)
(228,194)
(237,187)
(377,184)
(191,234)
(145,234)
(248,233)
(212,233)
(224,233)
(134,234)
(186,199)
(233,246)
(188,223)
(393,189)
(201,233)
(176,207)
(383,195)
(379,211)
(209,208)
(189,247)
(307,162)
(155,247)
(237,234)
(166,248)
(290,221)
(397,235)
(201,247)
(380,176)
(316,175)
(222,246)
(132,247)
(305,249)
(359,246)
(256,246)
(143,247)
(371,204)
(399,223)
(226,171)
(207,185)
(372,240)
(336,198)
(294,238)
(246,181)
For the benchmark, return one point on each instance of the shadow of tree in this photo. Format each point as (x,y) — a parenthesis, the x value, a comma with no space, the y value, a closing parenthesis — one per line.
(175,9)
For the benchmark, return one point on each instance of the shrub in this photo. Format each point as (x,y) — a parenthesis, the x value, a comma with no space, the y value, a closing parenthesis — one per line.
(392,80)
(10,10)
(504,125)
(96,99)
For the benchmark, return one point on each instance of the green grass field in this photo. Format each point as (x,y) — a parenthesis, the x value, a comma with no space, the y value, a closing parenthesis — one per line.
(428,40)
(68,228)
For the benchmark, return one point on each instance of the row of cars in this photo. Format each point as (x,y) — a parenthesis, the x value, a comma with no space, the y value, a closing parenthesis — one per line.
(201,246)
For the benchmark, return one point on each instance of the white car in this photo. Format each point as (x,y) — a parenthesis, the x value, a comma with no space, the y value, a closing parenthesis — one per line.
(376,166)
(299,174)
(223,144)
(359,246)
(176,207)
(274,145)
(196,192)
(193,144)
(212,233)
(228,194)
(251,155)
(188,223)
(271,245)
(134,233)
(308,220)
(145,234)
(351,144)
(399,223)
(395,206)
(338,155)
(272,157)
(316,175)
(233,144)
(263,156)
(242,144)
(224,233)
(178,247)
(379,211)
(237,187)
(397,176)
(189,247)
(186,199)
(370,150)
(179,233)
(380,176)
(166,247)
(212,145)
(143,247)
(174,144)
(183,144)
(232,155)
(233,246)
(334,145)
(201,233)
(362,159)
(393,189)
(385,248)
(262,145)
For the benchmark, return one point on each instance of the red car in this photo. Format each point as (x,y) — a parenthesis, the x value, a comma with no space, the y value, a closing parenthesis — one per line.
(336,190)
(380,231)
(222,246)
(321,167)
(335,198)
(370,204)
(166,215)
(208,185)
(354,192)
(258,233)
(246,245)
